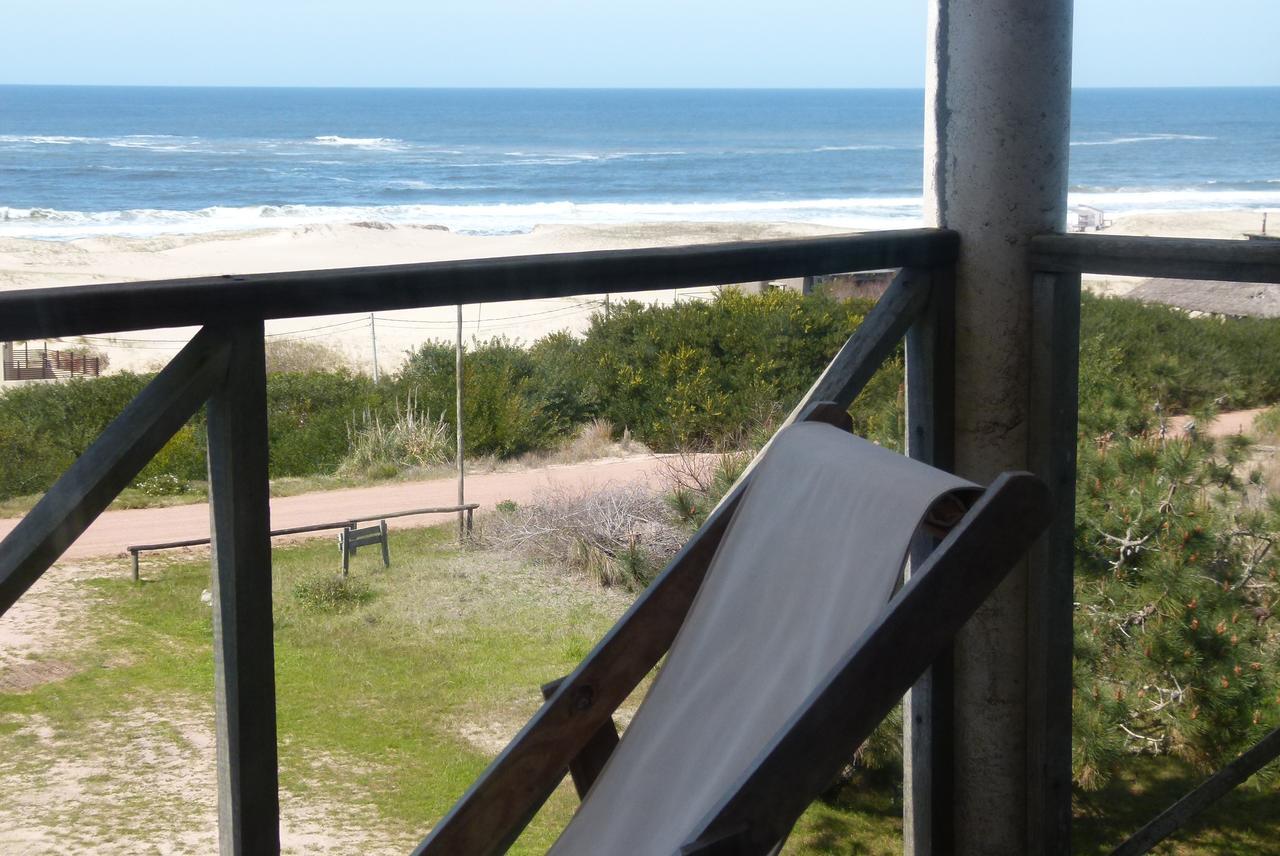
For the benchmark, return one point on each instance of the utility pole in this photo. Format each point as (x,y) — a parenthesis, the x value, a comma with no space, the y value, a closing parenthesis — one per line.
(461,466)
(373,334)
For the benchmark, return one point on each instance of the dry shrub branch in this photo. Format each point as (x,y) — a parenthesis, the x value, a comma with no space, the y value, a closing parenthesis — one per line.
(616,536)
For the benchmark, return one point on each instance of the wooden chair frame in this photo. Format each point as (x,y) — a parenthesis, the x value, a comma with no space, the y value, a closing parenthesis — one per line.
(974,556)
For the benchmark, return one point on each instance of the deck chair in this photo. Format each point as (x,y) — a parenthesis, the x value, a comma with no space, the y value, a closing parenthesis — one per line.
(796,645)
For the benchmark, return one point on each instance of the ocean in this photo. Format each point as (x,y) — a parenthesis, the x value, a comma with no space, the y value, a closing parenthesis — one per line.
(83,161)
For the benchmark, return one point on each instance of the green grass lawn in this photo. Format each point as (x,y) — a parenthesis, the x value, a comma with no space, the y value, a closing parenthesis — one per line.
(390,707)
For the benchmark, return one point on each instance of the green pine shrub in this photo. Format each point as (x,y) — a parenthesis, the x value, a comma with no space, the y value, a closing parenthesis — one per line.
(308,415)
(501,409)
(691,374)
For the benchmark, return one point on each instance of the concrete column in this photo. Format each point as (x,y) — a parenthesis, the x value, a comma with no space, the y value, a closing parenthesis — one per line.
(997,111)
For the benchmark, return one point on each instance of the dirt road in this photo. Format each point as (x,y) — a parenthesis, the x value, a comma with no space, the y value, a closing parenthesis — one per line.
(112,532)
(115,530)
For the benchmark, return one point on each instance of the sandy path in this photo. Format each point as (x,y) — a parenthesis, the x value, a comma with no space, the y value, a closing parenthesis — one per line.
(1224,424)
(111,533)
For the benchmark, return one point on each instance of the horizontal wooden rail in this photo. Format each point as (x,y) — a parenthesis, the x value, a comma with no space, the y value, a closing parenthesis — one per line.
(444,509)
(1206,794)
(311,527)
(490,816)
(78,310)
(135,549)
(1175,258)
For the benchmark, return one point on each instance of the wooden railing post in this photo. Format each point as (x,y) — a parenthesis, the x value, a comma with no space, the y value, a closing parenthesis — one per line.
(928,779)
(1051,435)
(244,671)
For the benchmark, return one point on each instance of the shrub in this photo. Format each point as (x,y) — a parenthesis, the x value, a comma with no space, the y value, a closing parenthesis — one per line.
(164,484)
(560,385)
(46,426)
(184,457)
(1175,586)
(304,356)
(693,373)
(501,412)
(410,439)
(308,417)
(330,593)
(620,536)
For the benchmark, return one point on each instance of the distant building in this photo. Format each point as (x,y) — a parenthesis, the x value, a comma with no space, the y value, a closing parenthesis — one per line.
(1086,218)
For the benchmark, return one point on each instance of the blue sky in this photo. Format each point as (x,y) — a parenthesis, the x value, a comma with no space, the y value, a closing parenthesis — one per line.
(795,43)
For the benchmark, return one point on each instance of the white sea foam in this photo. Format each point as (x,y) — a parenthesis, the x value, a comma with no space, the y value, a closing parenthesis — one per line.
(370,143)
(863,148)
(856,213)
(42,139)
(1142,138)
(496,218)
(1146,201)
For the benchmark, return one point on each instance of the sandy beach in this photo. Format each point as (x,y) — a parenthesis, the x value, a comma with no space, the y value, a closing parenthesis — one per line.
(27,263)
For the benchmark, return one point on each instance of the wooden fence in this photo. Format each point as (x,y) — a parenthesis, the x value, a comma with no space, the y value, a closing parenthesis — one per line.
(27,363)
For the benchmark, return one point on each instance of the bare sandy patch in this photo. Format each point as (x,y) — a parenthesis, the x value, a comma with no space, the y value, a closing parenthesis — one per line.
(144,781)
(45,623)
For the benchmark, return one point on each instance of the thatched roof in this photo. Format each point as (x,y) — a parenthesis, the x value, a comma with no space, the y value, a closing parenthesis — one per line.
(1260,300)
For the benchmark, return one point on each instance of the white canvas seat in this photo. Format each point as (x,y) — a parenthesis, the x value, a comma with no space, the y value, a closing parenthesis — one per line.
(810,559)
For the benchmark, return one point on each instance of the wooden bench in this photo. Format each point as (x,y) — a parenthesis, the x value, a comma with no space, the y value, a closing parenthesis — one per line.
(351,540)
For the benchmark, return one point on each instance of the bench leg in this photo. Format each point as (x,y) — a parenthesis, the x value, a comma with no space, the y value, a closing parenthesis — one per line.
(386,551)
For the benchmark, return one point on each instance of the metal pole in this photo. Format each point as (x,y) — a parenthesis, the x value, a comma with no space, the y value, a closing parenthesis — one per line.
(373,334)
(461,460)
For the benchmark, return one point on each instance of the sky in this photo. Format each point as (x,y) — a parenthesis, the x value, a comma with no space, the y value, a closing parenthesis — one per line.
(601,43)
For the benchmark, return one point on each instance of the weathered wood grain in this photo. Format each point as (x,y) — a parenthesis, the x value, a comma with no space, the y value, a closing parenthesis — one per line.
(244,661)
(927,732)
(1178,258)
(1055,346)
(585,767)
(77,310)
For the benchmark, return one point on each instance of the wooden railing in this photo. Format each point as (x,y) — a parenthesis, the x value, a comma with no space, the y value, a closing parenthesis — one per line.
(27,363)
(224,366)
(1060,260)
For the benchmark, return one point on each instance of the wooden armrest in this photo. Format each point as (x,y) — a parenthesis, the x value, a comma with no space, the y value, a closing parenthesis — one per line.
(585,767)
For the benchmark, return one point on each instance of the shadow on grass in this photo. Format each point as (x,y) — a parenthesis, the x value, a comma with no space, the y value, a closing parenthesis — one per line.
(862,817)
(1246,821)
